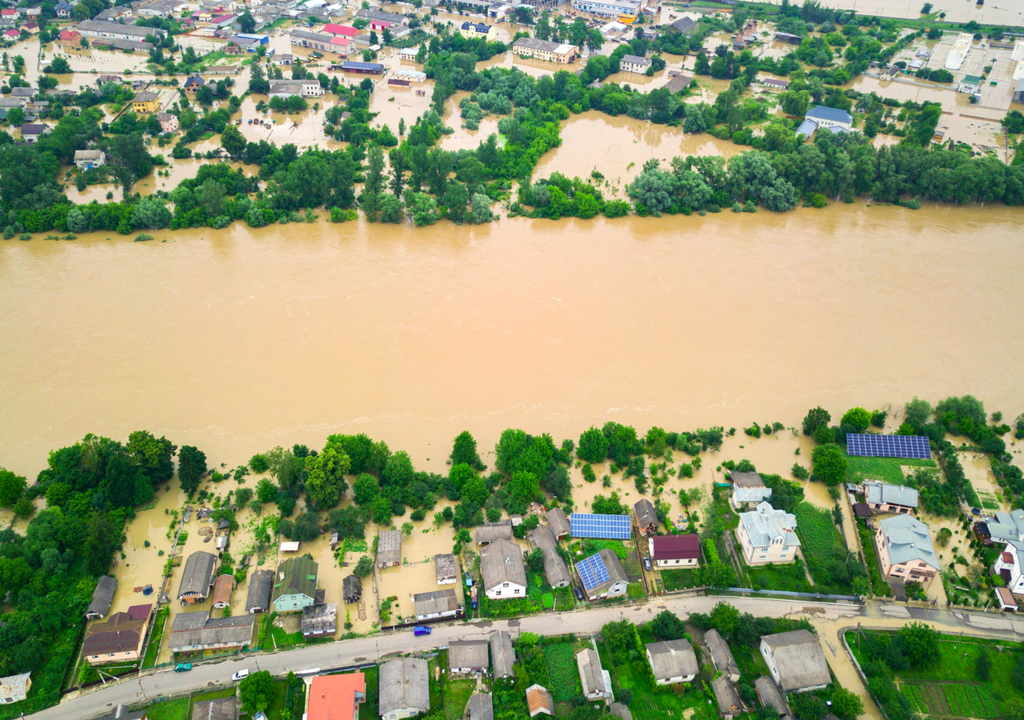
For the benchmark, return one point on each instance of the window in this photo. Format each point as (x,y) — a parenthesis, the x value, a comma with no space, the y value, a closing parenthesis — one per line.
(761,557)
(782,556)
(504,584)
(517,591)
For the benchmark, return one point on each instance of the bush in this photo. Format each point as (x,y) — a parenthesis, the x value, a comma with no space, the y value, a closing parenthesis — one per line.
(800,472)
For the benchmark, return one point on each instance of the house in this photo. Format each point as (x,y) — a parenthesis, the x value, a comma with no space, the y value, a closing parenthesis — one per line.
(774,84)
(314,40)
(336,697)
(795,661)
(102,597)
(1010,566)
(721,655)
(116,31)
(1018,92)
(444,569)
(295,584)
(192,85)
(362,68)
(32,28)
(890,72)
(595,680)
(389,548)
(478,30)
(674,551)
(503,655)
(146,102)
(729,705)
(885,498)
(168,123)
(104,79)
(31,132)
(14,688)
(351,589)
(466,656)
(1001,527)
(748,490)
(683,26)
(905,550)
(261,586)
(539,701)
(63,9)
(827,117)
(70,38)
(971,84)
(480,707)
(223,587)
(197,631)
(486,534)
(197,578)
(558,523)
(672,661)
(303,88)
(767,535)
(225,708)
(504,574)
(788,38)
(119,638)
(602,575)
(608,8)
(319,620)
(770,696)
(383,20)
(404,688)
(678,83)
(341,30)
(23,92)
(554,566)
(634,64)
(89,159)
(436,604)
(1006,600)
(646,517)
(545,50)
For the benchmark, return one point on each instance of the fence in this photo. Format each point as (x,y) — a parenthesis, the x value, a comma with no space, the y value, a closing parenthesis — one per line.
(794,594)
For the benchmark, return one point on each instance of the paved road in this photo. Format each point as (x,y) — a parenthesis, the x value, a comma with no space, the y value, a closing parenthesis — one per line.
(829,618)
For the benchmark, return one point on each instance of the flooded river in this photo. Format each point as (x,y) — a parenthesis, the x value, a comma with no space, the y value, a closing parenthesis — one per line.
(239,340)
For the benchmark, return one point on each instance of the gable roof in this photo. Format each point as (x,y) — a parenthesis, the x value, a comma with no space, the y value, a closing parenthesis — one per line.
(389,547)
(335,29)
(15,687)
(296,576)
(595,582)
(746,479)
(820,112)
(906,538)
(438,601)
(503,656)
(676,547)
(480,707)
(591,677)
(721,655)
(198,629)
(467,654)
(261,584)
(885,494)
(333,697)
(644,510)
(217,709)
(799,659)
(765,523)
(494,531)
(223,586)
(558,522)
(102,596)
(538,699)
(198,573)
(500,562)
(684,24)
(352,586)
(404,685)
(122,632)
(635,60)
(554,566)
(672,658)
(725,695)
(769,695)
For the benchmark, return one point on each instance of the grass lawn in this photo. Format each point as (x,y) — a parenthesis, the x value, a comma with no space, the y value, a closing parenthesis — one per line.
(778,577)
(591,546)
(951,687)
(156,638)
(276,708)
(456,695)
(368,710)
(170,710)
(679,579)
(536,588)
(888,470)
(823,544)
(867,543)
(439,661)
(560,660)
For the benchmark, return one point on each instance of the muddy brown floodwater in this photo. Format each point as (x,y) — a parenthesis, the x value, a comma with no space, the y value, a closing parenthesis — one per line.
(239,340)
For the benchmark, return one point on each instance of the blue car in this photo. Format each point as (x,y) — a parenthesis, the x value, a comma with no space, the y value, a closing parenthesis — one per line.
(421,630)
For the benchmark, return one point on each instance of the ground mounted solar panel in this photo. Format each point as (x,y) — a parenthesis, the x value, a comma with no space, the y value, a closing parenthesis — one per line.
(609,527)
(889,446)
(592,571)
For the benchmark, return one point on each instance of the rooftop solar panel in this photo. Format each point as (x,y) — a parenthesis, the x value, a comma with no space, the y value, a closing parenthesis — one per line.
(889,446)
(353,65)
(609,527)
(592,571)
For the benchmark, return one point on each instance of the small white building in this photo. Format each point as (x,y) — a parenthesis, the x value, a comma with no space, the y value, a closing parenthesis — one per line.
(672,661)
(827,117)
(89,159)
(504,574)
(634,64)
(795,661)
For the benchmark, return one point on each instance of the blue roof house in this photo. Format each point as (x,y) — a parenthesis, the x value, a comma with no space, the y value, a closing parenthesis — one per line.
(827,117)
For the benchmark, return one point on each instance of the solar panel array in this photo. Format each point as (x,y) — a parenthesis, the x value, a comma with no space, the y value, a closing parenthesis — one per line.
(889,446)
(592,571)
(608,527)
(362,66)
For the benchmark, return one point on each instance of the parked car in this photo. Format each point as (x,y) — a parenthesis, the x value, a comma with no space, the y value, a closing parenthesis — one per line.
(647,564)
(240,675)
(579,593)
(182,667)
(421,630)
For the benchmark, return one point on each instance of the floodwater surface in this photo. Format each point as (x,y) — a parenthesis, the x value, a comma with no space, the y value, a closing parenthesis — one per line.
(239,340)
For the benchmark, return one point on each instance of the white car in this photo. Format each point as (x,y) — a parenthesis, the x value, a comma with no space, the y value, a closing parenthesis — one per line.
(240,675)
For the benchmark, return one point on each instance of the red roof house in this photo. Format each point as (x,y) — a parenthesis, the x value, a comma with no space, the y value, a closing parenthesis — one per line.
(669,551)
(336,697)
(333,29)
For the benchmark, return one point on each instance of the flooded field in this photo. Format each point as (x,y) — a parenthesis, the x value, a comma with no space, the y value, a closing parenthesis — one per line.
(995,12)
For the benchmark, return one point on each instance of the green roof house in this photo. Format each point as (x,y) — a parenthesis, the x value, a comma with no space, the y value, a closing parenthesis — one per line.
(295,585)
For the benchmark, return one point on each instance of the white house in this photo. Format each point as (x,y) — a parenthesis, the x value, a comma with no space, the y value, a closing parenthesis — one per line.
(634,64)
(827,117)
(748,489)
(795,661)
(504,574)
(1008,566)
(767,535)
(672,661)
